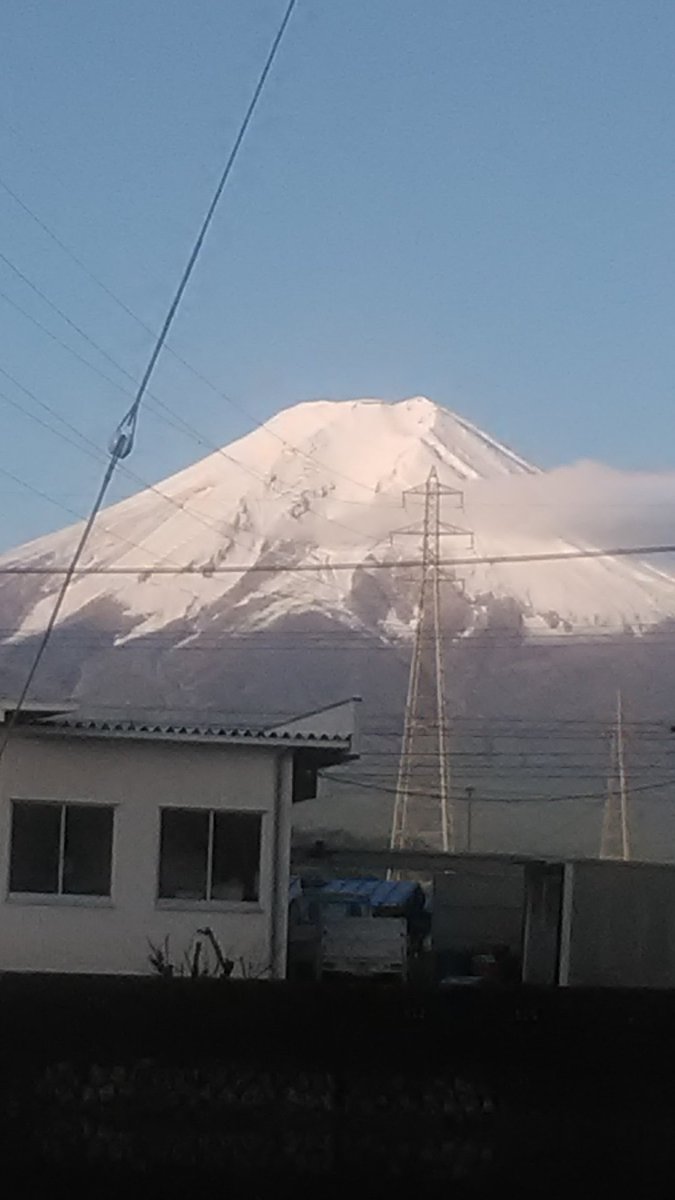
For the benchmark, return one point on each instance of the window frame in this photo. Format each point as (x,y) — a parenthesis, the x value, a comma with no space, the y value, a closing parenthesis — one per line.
(61,898)
(178,903)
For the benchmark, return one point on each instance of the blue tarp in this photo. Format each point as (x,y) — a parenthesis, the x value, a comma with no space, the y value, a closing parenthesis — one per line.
(379,893)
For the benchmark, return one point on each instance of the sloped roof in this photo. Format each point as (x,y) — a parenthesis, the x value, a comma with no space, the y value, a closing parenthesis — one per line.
(203,732)
(319,732)
(335,720)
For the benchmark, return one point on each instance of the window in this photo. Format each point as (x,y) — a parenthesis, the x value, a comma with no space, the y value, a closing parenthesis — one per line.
(209,855)
(61,849)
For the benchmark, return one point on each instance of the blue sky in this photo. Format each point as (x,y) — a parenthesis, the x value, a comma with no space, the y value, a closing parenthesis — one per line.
(469,199)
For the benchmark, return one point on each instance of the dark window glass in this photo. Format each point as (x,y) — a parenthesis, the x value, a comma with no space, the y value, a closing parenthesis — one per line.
(87,854)
(236,856)
(184,845)
(35,847)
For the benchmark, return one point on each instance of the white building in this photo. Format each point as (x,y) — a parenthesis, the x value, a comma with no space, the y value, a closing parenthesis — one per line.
(116,835)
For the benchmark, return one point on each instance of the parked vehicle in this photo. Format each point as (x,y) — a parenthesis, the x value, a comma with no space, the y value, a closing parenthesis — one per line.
(363,945)
(335,929)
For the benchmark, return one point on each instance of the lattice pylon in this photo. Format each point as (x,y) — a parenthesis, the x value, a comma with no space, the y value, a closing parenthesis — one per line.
(615,841)
(423,812)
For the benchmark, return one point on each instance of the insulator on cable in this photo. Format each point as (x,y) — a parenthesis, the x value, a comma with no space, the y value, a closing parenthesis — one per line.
(122,441)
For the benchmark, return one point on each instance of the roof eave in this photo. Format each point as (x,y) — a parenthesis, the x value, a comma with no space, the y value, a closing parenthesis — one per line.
(267,741)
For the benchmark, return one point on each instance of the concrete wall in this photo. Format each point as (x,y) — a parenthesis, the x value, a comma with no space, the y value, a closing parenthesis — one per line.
(66,933)
(478,904)
(622,926)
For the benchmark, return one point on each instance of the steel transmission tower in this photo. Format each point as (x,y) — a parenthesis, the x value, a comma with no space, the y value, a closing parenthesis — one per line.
(615,841)
(423,812)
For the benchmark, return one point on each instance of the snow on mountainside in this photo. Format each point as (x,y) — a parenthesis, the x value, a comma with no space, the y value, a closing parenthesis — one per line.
(322,483)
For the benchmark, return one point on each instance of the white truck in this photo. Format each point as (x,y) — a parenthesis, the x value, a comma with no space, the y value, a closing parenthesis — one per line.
(356,942)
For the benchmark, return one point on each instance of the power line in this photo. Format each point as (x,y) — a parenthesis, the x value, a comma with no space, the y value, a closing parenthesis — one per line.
(366,645)
(39,421)
(372,564)
(369,640)
(59,342)
(158,406)
(236,404)
(515,773)
(90,447)
(68,250)
(546,640)
(63,315)
(135,641)
(664,724)
(66,508)
(460,794)
(221,711)
(122,442)
(356,638)
(94,451)
(29,487)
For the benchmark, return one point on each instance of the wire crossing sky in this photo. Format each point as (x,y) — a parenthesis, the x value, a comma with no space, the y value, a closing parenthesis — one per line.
(469,201)
(121,444)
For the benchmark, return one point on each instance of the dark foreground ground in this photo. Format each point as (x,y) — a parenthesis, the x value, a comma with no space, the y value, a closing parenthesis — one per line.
(260,1089)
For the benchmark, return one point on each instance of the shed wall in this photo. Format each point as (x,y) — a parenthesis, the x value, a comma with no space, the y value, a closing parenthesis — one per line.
(622,931)
(478,904)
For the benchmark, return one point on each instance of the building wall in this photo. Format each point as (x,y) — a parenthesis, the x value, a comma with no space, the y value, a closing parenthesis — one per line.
(622,929)
(138,777)
(478,904)
(543,924)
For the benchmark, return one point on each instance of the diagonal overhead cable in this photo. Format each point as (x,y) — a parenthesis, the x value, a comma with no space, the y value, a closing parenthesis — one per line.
(123,439)
(36,491)
(198,374)
(90,448)
(159,406)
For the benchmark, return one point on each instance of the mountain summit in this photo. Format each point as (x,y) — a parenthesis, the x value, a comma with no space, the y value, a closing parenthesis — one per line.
(319,485)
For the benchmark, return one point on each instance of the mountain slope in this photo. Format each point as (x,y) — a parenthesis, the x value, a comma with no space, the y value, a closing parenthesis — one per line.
(535,652)
(321,484)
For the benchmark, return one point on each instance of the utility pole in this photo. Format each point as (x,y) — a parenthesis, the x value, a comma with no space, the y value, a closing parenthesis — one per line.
(615,842)
(423,814)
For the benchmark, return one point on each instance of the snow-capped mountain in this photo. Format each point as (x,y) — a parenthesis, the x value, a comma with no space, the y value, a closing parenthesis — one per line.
(535,651)
(319,485)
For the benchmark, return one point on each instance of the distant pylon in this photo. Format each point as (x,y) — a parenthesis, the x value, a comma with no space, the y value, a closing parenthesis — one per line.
(615,841)
(423,814)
